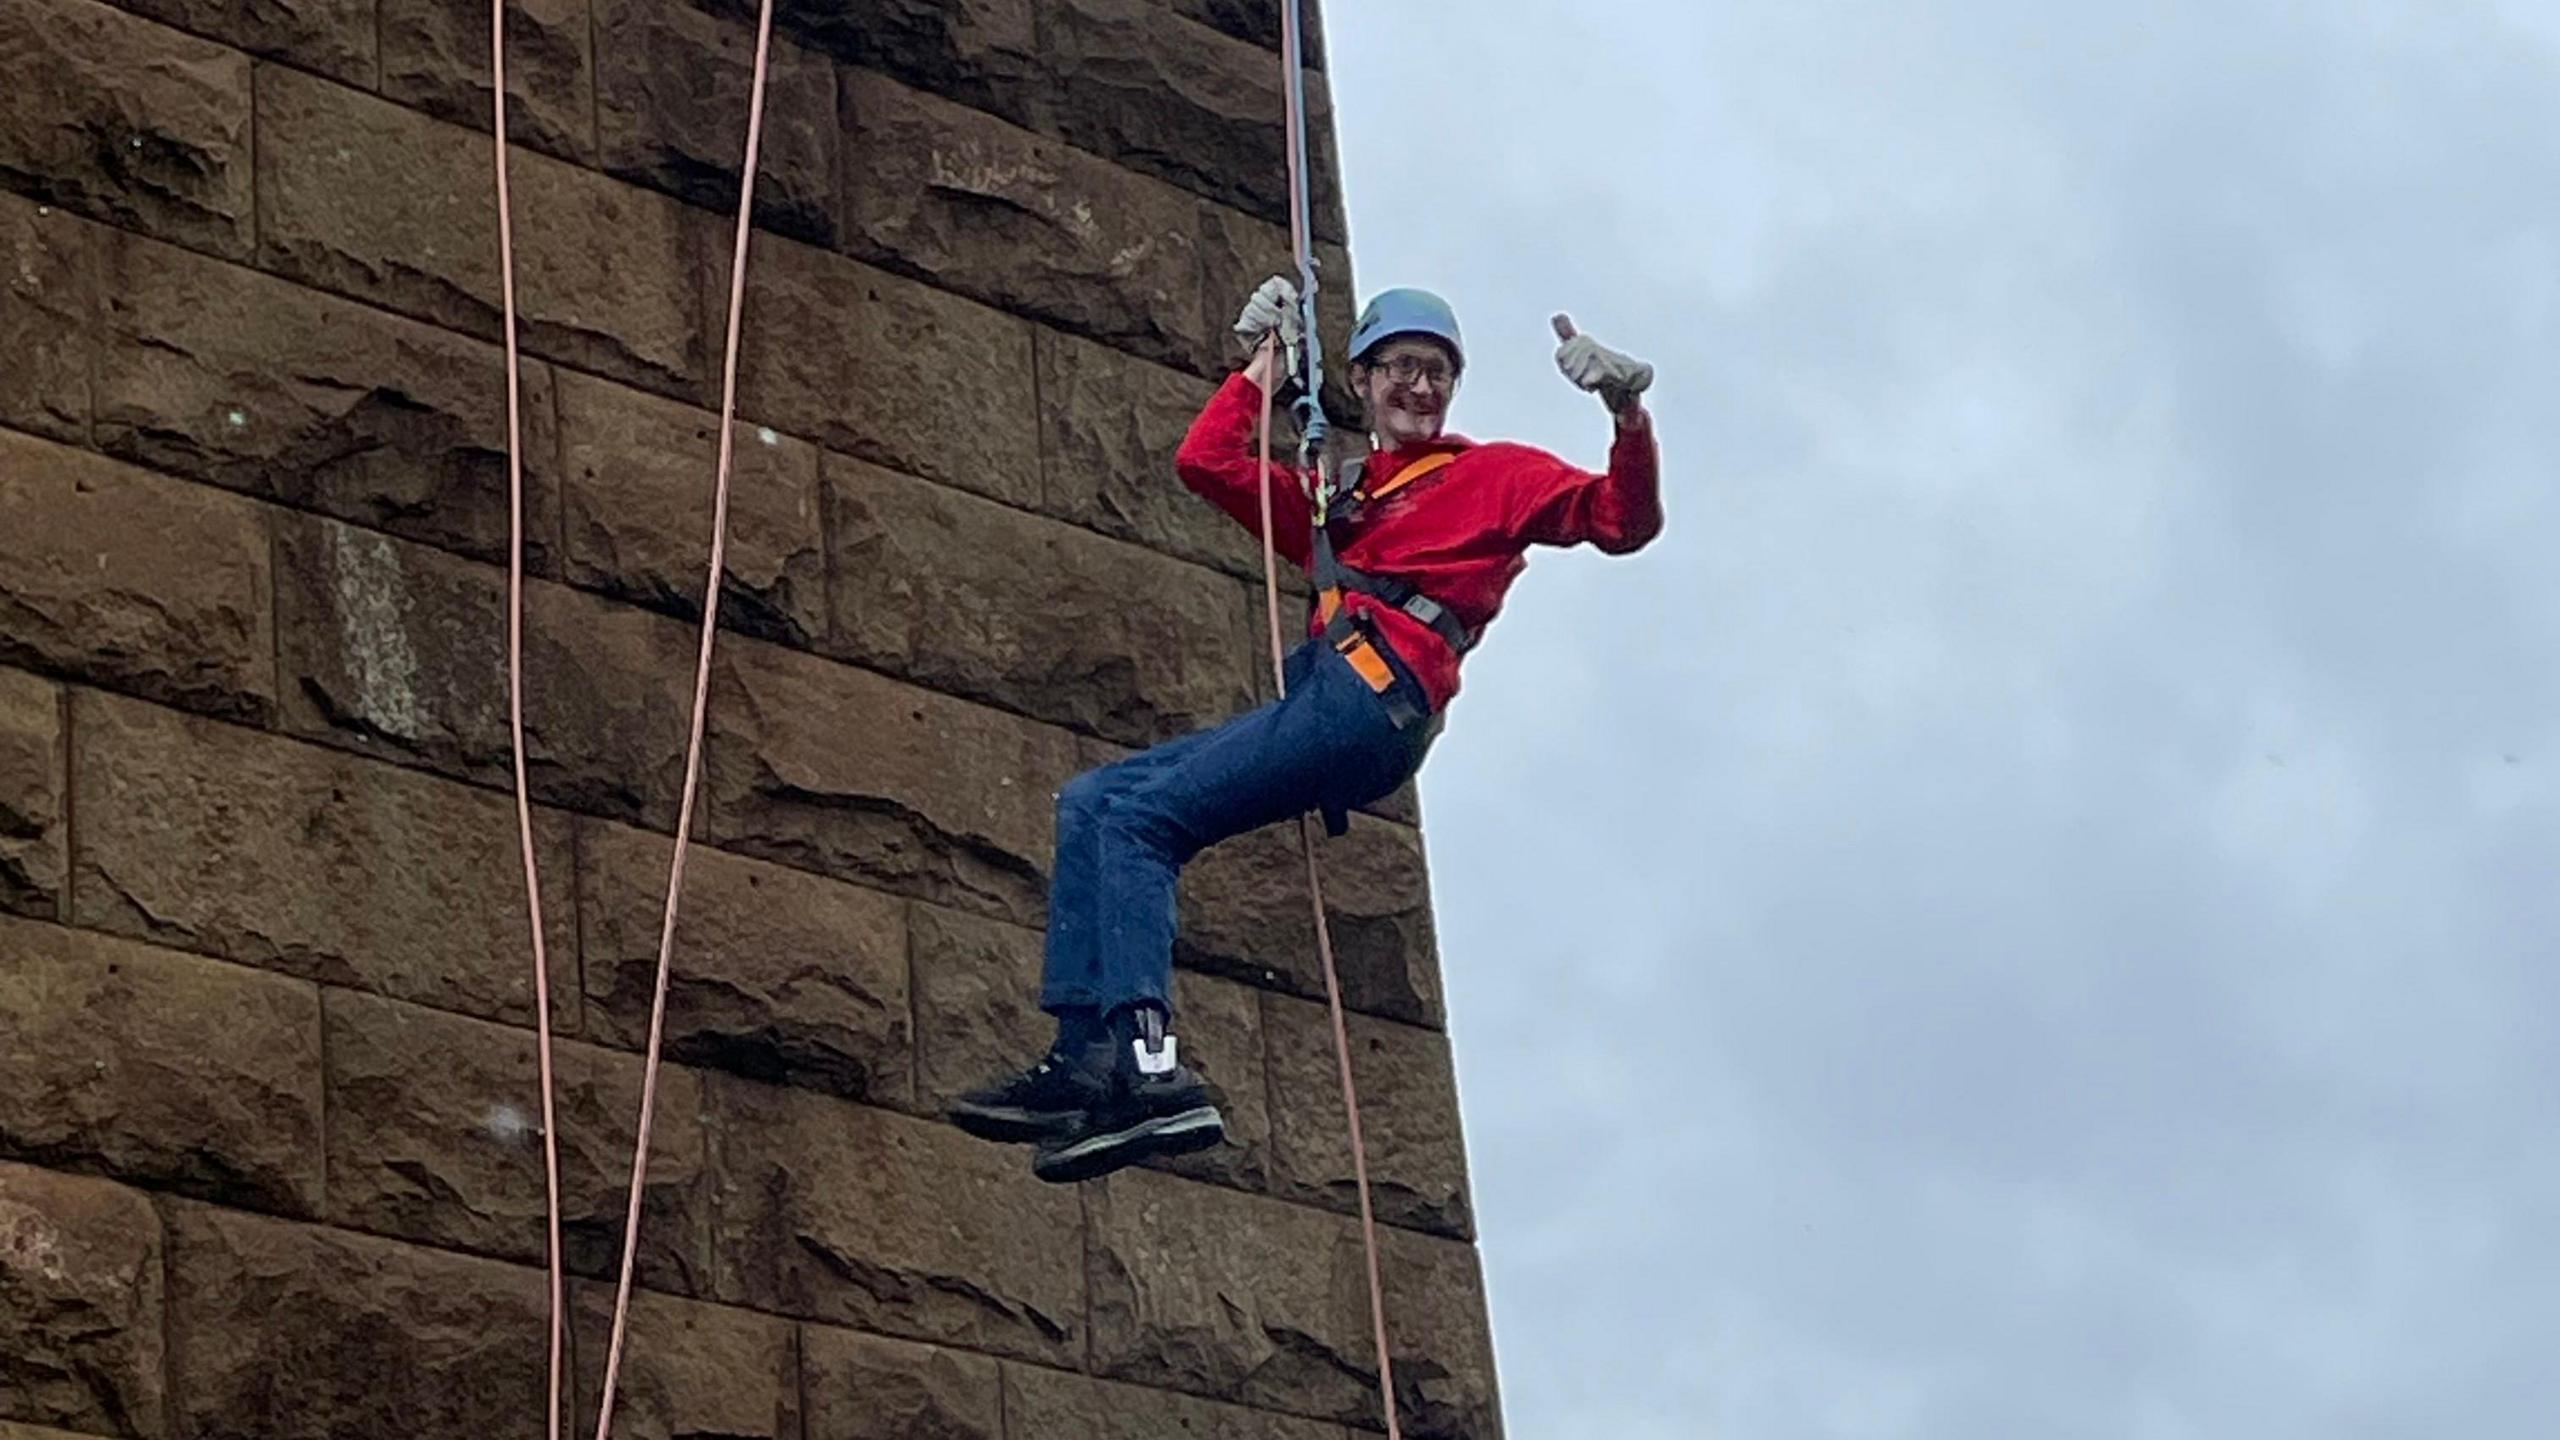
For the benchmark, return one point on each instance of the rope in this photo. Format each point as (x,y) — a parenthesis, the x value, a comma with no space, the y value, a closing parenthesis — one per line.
(1311,434)
(515,704)
(694,737)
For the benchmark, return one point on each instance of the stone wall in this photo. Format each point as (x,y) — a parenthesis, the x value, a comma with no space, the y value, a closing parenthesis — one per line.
(268,1165)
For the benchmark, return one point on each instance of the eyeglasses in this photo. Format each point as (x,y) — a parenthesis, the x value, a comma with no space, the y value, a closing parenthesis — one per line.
(1405,369)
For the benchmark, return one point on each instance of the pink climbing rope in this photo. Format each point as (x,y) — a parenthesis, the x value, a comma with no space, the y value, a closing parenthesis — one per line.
(694,736)
(515,705)
(1301,243)
(701,704)
(1324,951)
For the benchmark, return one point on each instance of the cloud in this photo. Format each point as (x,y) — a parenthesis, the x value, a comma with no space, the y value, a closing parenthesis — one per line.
(2030,910)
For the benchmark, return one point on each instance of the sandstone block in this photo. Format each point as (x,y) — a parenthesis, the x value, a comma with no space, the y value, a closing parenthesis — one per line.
(611,278)
(81,1304)
(222,374)
(1408,1115)
(294,1332)
(778,975)
(435,58)
(672,84)
(1045,1402)
(838,1212)
(33,856)
(690,1371)
(48,317)
(135,581)
(1245,914)
(435,1135)
(1005,216)
(398,650)
(887,370)
(636,494)
(126,121)
(208,1080)
(1185,1296)
(862,1387)
(333,37)
(1167,96)
(831,769)
(263,850)
(1040,617)
(985,54)
(1110,424)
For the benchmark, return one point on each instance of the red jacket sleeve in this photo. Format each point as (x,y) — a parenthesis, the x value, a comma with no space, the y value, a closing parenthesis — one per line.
(1220,462)
(1618,510)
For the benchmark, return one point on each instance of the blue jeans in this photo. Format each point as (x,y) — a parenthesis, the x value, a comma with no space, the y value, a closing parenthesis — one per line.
(1125,830)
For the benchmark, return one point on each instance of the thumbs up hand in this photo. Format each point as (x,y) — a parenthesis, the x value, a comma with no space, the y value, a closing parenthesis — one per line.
(1617,379)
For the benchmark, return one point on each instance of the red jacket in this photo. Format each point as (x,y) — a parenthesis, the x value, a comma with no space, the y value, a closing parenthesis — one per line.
(1458,535)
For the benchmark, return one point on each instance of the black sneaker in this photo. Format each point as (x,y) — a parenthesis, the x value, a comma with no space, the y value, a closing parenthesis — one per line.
(1154,1105)
(1045,1102)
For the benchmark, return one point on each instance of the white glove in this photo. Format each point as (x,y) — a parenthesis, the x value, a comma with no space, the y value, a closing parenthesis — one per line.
(1590,365)
(1274,307)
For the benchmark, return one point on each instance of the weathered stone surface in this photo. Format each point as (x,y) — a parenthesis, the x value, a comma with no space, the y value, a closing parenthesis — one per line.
(1221,1029)
(223,374)
(1185,1295)
(891,371)
(48,317)
(978,1015)
(1245,914)
(778,975)
(398,650)
(126,121)
(1169,97)
(610,278)
(1045,1402)
(33,837)
(1237,253)
(983,53)
(1255,20)
(1446,1388)
(264,850)
(1110,424)
(1044,618)
(80,1305)
(1408,1115)
(293,1332)
(977,997)
(828,768)
(435,57)
(672,84)
(435,1135)
(690,1371)
(861,1387)
(134,580)
(333,37)
(211,1084)
(10,1430)
(970,203)
(636,496)
(837,1212)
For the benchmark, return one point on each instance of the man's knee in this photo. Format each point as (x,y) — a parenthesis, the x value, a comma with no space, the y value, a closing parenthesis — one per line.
(1139,821)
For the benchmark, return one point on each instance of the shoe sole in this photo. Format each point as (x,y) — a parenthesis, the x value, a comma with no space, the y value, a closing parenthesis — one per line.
(1009,1126)
(1094,1155)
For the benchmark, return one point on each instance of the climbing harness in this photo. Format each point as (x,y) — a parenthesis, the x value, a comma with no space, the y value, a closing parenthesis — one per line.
(1349,631)
(693,740)
(1311,438)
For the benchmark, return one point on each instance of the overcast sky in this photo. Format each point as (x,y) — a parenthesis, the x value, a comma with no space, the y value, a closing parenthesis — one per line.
(2031,911)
